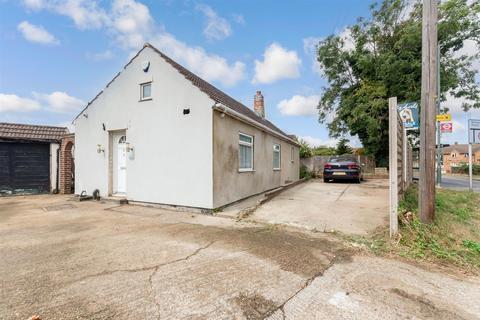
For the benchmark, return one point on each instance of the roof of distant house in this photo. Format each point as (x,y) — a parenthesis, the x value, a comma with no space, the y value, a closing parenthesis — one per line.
(214,93)
(460,148)
(16,131)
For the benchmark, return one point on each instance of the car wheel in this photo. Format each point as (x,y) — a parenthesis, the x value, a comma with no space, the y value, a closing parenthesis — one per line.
(325,180)
(359,180)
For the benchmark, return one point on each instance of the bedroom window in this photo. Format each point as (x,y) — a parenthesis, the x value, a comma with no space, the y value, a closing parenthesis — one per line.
(276,157)
(245,152)
(146,91)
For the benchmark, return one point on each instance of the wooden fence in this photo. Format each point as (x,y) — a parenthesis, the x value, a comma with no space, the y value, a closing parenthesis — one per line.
(315,163)
(400,163)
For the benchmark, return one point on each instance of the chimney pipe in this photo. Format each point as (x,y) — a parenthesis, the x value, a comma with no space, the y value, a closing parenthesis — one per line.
(258,104)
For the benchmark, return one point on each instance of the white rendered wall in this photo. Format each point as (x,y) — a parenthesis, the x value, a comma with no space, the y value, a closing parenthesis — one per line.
(53,166)
(172,158)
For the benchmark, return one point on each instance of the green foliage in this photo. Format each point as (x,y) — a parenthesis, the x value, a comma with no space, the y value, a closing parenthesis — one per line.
(383,59)
(324,151)
(455,235)
(472,245)
(305,173)
(463,168)
(305,149)
(343,147)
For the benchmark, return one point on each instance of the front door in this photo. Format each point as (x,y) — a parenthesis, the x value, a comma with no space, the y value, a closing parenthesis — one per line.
(120,164)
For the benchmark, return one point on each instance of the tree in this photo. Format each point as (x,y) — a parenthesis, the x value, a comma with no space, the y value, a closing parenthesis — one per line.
(381,58)
(343,147)
(305,149)
(324,151)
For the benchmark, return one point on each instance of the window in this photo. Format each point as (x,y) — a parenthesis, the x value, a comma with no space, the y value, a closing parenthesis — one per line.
(292,155)
(276,157)
(245,152)
(146,91)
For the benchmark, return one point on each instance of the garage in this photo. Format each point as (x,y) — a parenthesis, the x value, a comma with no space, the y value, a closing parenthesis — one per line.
(29,158)
(25,167)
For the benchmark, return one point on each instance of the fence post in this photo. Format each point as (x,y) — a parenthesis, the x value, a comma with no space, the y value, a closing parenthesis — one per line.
(393,164)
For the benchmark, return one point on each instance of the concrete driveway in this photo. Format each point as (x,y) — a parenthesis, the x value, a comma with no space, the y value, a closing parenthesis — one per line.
(346,207)
(68,260)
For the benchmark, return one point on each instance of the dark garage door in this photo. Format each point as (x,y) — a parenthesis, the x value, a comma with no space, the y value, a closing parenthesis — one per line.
(24,168)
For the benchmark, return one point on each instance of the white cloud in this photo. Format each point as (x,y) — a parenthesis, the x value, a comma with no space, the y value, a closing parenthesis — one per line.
(59,102)
(318,142)
(310,47)
(470,49)
(216,27)
(14,103)
(299,105)
(100,56)
(278,63)
(238,18)
(346,36)
(131,23)
(86,14)
(211,67)
(36,34)
(34,4)
(70,126)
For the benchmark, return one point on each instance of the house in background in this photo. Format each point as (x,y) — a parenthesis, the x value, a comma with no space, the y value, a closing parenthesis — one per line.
(160,134)
(35,159)
(457,154)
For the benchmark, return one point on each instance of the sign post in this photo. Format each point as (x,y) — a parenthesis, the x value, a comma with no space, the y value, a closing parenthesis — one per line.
(473,129)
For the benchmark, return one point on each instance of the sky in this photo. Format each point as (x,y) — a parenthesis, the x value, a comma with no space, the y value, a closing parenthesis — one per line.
(56,55)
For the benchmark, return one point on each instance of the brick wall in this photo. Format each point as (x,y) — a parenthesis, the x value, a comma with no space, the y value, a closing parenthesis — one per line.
(67,164)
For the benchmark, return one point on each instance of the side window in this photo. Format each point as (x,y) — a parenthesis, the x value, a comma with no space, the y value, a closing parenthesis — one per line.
(146,91)
(276,157)
(245,152)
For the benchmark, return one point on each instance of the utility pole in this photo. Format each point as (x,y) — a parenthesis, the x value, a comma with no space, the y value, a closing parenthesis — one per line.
(439,132)
(426,190)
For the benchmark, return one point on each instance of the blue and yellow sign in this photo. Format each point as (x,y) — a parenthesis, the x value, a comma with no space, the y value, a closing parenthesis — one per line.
(409,114)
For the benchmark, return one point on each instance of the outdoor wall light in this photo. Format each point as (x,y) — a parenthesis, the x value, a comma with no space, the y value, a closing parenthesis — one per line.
(100,149)
(128,147)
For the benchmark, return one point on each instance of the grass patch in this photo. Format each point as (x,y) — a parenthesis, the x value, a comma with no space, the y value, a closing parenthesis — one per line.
(454,237)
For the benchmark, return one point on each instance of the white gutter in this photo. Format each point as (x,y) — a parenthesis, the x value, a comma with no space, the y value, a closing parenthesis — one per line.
(223,109)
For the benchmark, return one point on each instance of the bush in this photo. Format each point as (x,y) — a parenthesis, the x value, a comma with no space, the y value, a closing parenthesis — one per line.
(305,173)
(463,168)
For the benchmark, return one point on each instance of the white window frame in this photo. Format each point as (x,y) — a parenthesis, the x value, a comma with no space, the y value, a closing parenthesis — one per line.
(247,144)
(279,151)
(142,85)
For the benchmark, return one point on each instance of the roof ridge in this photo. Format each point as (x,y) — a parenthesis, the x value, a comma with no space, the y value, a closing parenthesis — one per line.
(209,89)
(31,125)
(186,73)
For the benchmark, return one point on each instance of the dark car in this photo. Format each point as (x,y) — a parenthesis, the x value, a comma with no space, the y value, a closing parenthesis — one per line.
(342,169)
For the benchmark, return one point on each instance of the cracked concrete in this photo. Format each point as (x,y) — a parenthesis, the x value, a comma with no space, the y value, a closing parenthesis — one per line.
(97,261)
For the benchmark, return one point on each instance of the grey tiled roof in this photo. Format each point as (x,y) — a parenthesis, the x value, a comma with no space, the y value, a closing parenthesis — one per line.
(460,148)
(31,132)
(217,95)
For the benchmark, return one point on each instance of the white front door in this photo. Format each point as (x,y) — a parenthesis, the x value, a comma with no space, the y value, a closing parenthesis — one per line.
(121,165)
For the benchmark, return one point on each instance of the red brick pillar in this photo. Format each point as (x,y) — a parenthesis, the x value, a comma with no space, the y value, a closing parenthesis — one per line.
(67,164)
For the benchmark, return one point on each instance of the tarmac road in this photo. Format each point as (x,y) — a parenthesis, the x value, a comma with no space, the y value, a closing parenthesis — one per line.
(459,183)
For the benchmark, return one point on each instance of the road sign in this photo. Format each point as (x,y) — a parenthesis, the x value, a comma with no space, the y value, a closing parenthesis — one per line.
(474,131)
(409,114)
(444,117)
(446,127)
